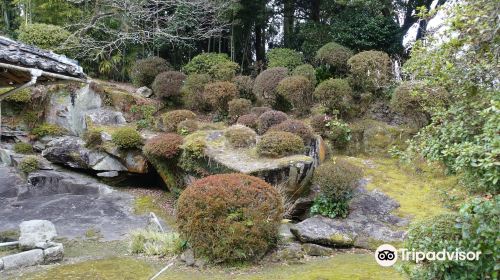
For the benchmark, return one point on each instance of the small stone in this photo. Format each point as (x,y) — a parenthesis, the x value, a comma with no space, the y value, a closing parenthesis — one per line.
(1,264)
(316,250)
(290,252)
(285,233)
(154,223)
(36,231)
(188,257)
(145,91)
(200,263)
(110,174)
(28,258)
(54,253)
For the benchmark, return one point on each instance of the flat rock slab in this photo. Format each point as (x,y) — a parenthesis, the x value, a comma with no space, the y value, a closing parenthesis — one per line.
(74,203)
(369,223)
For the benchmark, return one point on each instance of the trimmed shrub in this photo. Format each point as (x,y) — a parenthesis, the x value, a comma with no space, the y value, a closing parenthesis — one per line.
(298,91)
(23,148)
(153,243)
(187,127)
(296,127)
(230,217)
(249,120)
(240,136)
(417,101)
(259,110)
(266,83)
(216,65)
(144,71)
(279,144)
(168,85)
(126,138)
(336,95)
(23,96)
(239,107)
(337,178)
(47,129)
(245,87)
(281,57)
(306,70)
(172,119)
(334,56)
(270,118)
(370,70)
(219,94)
(192,91)
(29,164)
(318,123)
(44,36)
(439,228)
(338,132)
(163,146)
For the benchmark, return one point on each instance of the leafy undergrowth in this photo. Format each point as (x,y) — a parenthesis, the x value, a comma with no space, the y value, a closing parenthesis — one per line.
(342,266)
(422,194)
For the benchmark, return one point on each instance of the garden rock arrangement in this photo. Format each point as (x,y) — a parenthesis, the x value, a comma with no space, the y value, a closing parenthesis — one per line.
(73,202)
(368,224)
(36,241)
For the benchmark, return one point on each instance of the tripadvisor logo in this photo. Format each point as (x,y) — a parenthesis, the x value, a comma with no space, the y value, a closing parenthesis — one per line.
(387,255)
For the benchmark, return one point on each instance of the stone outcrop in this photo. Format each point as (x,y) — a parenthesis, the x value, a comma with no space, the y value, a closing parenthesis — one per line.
(369,224)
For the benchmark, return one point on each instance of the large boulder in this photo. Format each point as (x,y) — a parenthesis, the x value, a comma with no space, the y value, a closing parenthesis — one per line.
(105,117)
(369,223)
(23,259)
(71,151)
(35,233)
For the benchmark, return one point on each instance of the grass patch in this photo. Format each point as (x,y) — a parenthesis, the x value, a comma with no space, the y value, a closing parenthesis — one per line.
(144,204)
(419,193)
(105,269)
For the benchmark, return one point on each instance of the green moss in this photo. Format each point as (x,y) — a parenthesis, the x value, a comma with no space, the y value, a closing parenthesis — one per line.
(106,269)
(145,204)
(418,193)
(23,148)
(127,138)
(47,129)
(93,233)
(22,96)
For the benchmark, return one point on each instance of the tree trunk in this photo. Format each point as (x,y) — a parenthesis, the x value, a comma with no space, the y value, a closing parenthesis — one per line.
(288,20)
(315,10)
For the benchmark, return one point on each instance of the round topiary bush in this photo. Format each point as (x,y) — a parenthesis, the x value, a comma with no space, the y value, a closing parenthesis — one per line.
(126,138)
(45,36)
(279,144)
(337,178)
(165,146)
(266,83)
(216,65)
(192,91)
(417,101)
(319,123)
(335,95)
(245,87)
(270,118)
(298,91)
(172,119)
(370,70)
(249,120)
(218,95)
(240,136)
(23,148)
(187,127)
(29,164)
(229,217)
(306,70)
(281,57)
(167,85)
(260,110)
(334,56)
(46,129)
(296,127)
(239,107)
(144,71)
